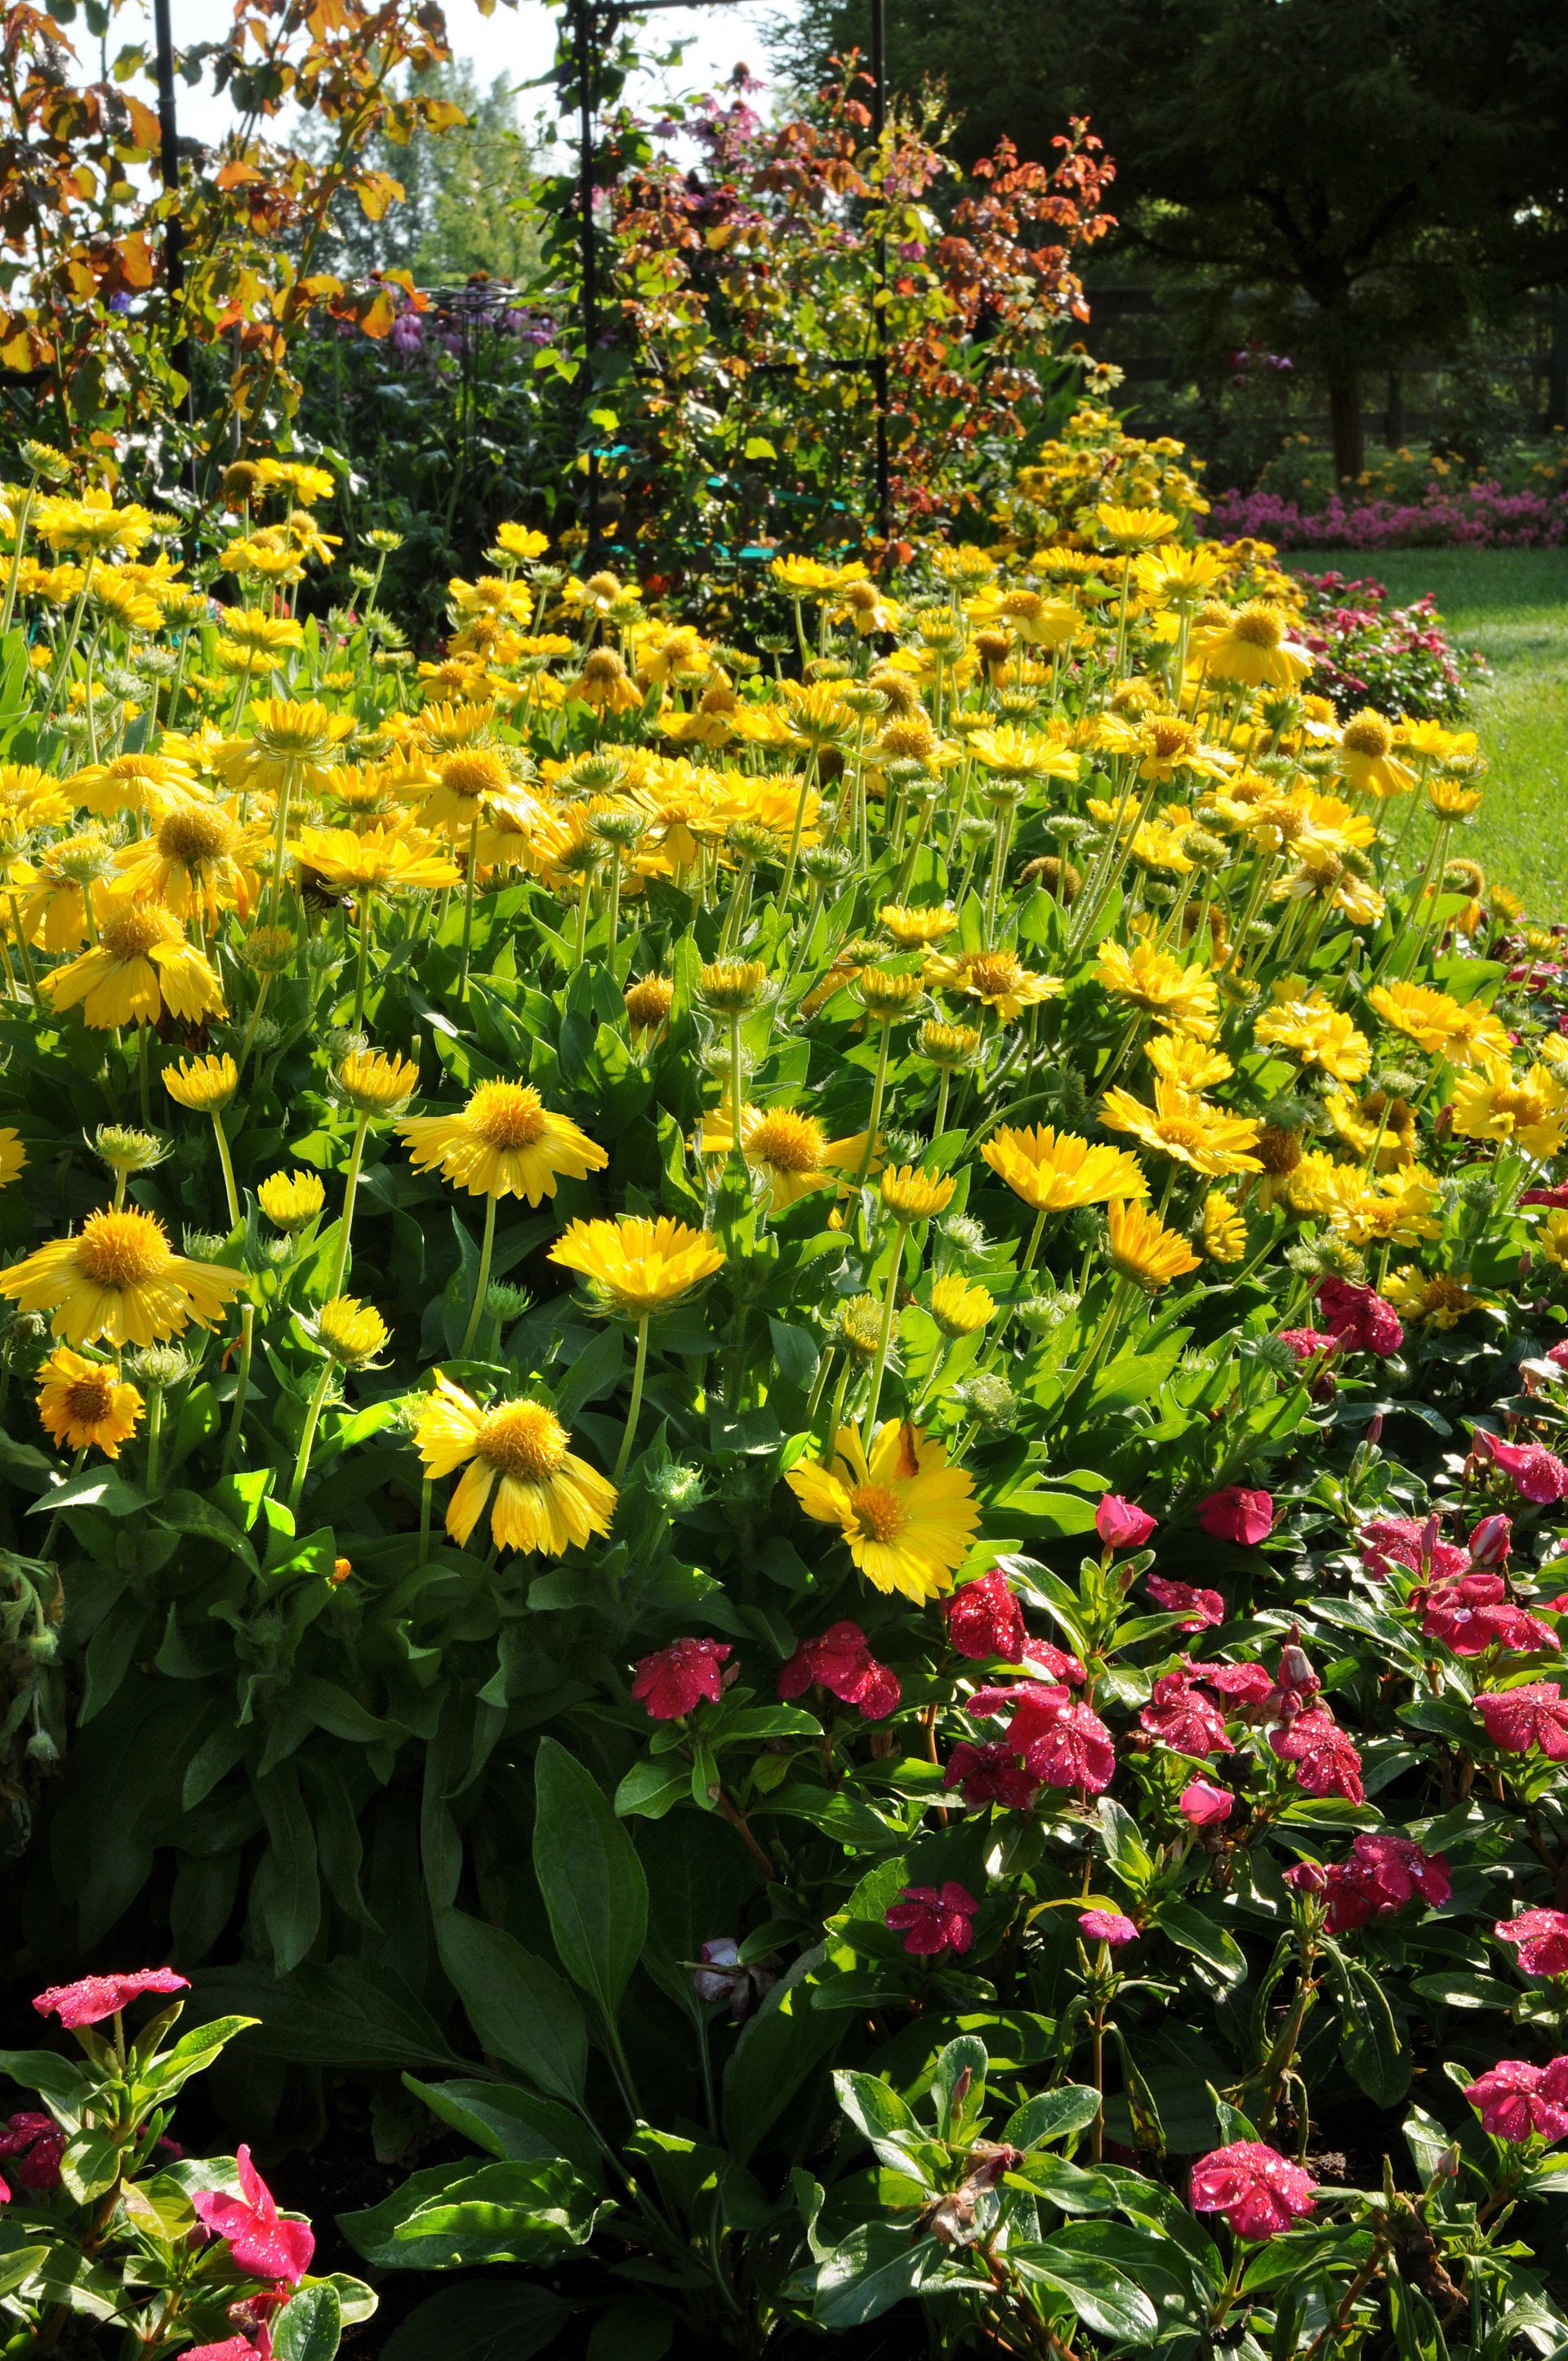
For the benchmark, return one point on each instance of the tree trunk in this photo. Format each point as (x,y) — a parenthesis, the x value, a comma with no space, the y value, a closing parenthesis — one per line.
(1345,420)
(1393,411)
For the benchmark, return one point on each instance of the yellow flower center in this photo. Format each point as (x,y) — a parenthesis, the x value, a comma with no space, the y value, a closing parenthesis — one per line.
(472,772)
(1259,626)
(195,833)
(789,1142)
(878,1511)
(506,1115)
(992,973)
(122,1249)
(523,1439)
(1168,737)
(132,932)
(90,1398)
(1368,733)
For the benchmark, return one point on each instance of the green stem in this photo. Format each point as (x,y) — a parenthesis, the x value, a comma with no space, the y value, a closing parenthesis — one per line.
(154,1437)
(884,1339)
(639,1372)
(226,1160)
(361,968)
(481,1284)
(312,1417)
(350,1191)
(470,873)
(878,1087)
(241,1386)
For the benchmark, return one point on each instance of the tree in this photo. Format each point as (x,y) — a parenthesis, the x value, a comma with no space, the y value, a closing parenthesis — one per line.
(1367,175)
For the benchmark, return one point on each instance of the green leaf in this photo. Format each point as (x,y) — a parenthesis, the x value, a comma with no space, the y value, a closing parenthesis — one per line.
(309,2327)
(1369,2042)
(591,1879)
(651,1788)
(1106,2301)
(876,2267)
(778,2048)
(58,2079)
(289,1888)
(496,2319)
(19,2265)
(518,2005)
(885,2121)
(192,2053)
(511,2123)
(89,2164)
(1196,1932)
(1051,2115)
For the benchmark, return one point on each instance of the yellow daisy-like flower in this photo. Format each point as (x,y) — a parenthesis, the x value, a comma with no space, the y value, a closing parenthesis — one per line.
(790,1152)
(911,1195)
(140,966)
(997,980)
(1364,756)
(1399,1208)
(13,1155)
(375,1083)
(1491,1104)
(293,742)
(1552,1238)
(1465,1035)
(503,1143)
(1251,648)
(193,860)
(640,1266)
(1184,999)
(1179,1058)
(913,929)
(290,1200)
(349,1331)
(1023,755)
(1143,1250)
(1319,1035)
(1182,1125)
(204,1084)
(906,1516)
(960,1307)
(381,861)
(1221,1230)
(1054,1171)
(83,1403)
(545,1497)
(1134,528)
(134,783)
(119,1278)
(1437,1301)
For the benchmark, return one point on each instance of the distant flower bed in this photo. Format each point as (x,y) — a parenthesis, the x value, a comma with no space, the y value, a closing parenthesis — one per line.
(1396,659)
(1480,515)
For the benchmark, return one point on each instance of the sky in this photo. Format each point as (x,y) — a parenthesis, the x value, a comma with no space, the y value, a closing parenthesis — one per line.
(519,43)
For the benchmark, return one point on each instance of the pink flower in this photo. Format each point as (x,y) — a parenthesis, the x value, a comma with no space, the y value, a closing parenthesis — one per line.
(1542,1939)
(1475,1614)
(1310,1343)
(1065,1744)
(38,2142)
(1294,1684)
(1535,1715)
(260,2240)
(1513,2099)
(1181,1717)
(990,1774)
(674,1679)
(1244,1685)
(1259,2191)
(1383,1873)
(1122,1524)
(1536,1473)
(1558,1353)
(233,2348)
(1204,1805)
(1108,1926)
(841,1662)
(1236,1514)
(984,1619)
(1360,1317)
(1491,1540)
(1326,1762)
(930,1921)
(1306,1877)
(1408,1542)
(1054,1662)
(1199,1608)
(96,1997)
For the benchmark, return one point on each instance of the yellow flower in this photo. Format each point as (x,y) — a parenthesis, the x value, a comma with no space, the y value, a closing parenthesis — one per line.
(1465,1036)
(1182,1125)
(1451,799)
(997,980)
(911,1195)
(522,539)
(293,742)
(1177,1057)
(119,1278)
(204,1084)
(648,1003)
(1365,757)
(1251,649)
(349,1331)
(1183,998)
(545,1497)
(1143,1250)
(884,995)
(959,1306)
(949,1046)
(640,1266)
(140,966)
(1222,1233)
(1023,755)
(907,1517)
(503,1143)
(193,860)
(791,1152)
(382,860)
(1438,1302)
(1490,1104)
(730,987)
(134,783)
(83,1402)
(1320,1035)
(13,1155)
(1134,528)
(254,634)
(1551,1237)
(375,1083)
(1056,1172)
(290,1200)
(912,929)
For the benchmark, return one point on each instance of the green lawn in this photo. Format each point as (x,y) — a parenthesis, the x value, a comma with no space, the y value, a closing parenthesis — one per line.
(1512,604)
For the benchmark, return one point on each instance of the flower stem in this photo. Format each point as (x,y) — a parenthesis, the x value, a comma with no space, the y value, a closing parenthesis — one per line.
(226,1160)
(481,1284)
(889,1315)
(639,1371)
(242,1385)
(470,873)
(350,1191)
(312,1416)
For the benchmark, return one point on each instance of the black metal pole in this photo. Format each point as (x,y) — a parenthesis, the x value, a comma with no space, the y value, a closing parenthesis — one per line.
(174,228)
(879,352)
(585,31)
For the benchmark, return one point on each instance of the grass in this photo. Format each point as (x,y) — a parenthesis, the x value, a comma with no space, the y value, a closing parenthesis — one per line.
(1512,604)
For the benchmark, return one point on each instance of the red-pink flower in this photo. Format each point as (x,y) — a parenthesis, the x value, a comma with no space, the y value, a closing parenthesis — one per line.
(1534,1714)
(1204,1805)
(1491,1540)
(1064,1743)
(674,1679)
(1244,1686)
(1236,1514)
(1475,1614)
(1383,1873)
(1360,1317)
(1536,1473)
(96,1997)
(1541,1937)
(1326,1762)
(1198,1609)
(932,1921)
(1259,2191)
(1054,1662)
(1122,1524)
(260,2240)
(990,1774)
(1514,2100)
(1409,1541)
(1310,1343)
(233,2348)
(984,1619)
(840,1661)
(1108,1926)
(1181,1717)
(1306,1877)
(37,2144)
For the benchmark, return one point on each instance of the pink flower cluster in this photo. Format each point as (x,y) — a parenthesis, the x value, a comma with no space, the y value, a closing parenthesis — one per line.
(1382,1874)
(1476,516)
(841,1662)
(1516,2101)
(1259,2191)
